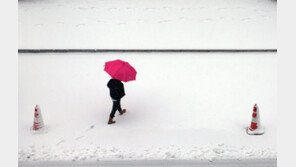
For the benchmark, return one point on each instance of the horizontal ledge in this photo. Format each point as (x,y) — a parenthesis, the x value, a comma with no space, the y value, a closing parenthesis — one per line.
(139,50)
(271,162)
(156,163)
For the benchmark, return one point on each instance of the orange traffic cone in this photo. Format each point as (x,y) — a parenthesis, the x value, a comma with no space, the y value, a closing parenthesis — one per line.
(255,128)
(38,121)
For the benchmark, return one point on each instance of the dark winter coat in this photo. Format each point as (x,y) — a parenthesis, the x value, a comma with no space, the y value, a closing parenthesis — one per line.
(116,89)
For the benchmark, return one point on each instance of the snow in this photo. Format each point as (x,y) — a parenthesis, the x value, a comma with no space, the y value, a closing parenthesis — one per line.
(157,163)
(147,24)
(183,106)
(186,106)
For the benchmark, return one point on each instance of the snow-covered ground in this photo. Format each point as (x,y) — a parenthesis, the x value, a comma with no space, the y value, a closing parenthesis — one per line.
(189,106)
(147,24)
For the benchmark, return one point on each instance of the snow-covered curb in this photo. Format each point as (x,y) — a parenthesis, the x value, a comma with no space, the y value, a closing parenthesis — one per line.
(195,163)
(206,153)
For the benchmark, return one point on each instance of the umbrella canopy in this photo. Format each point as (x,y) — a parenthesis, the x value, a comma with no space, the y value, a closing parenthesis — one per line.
(120,70)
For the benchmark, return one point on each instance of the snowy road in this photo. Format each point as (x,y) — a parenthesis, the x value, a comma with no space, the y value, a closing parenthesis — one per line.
(182,106)
(160,163)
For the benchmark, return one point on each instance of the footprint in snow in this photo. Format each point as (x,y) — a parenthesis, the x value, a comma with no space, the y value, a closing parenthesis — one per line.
(140,20)
(184,9)
(221,144)
(77,138)
(208,19)
(62,141)
(78,25)
(101,21)
(112,9)
(221,8)
(129,8)
(246,19)
(163,21)
(93,7)
(149,9)
(121,23)
(82,8)
(37,25)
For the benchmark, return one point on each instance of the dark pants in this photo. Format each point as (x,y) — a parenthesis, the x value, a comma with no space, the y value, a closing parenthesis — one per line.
(116,106)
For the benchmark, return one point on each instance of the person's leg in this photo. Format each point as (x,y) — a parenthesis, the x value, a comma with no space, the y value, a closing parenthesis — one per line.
(116,105)
(121,111)
(119,105)
(114,108)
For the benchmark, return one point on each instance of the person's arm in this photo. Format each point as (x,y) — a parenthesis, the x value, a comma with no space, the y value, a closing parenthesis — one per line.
(123,89)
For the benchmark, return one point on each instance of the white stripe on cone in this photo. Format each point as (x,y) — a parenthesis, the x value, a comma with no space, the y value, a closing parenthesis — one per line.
(38,121)
(255,127)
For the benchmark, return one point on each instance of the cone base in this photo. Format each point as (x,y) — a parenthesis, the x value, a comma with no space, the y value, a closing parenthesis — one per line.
(42,130)
(259,131)
(38,127)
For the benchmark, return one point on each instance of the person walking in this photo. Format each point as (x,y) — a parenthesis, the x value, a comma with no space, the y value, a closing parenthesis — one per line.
(119,71)
(116,92)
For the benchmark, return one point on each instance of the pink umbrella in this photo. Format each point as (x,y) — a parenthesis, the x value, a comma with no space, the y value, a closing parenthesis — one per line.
(120,70)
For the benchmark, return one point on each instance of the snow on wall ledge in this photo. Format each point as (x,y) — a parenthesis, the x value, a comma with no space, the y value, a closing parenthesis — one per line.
(146,24)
